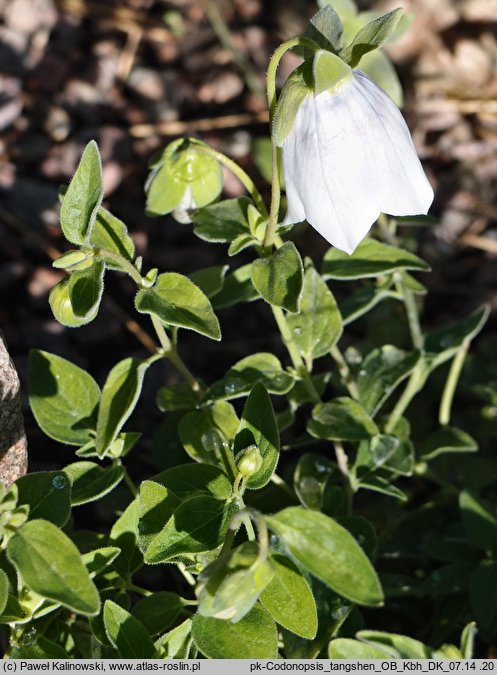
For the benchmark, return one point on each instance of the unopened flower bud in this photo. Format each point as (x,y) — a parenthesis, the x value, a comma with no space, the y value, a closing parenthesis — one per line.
(250,462)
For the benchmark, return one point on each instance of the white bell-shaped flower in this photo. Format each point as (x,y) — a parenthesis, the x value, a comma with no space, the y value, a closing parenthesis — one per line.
(349,157)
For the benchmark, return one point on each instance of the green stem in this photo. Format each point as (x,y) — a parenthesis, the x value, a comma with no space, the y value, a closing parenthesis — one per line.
(345,374)
(343,466)
(414,384)
(237,170)
(124,264)
(294,353)
(451,384)
(130,484)
(139,589)
(271,101)
(411,311)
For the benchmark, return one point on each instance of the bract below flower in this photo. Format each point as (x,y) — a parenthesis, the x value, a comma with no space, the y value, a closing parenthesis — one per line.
(349,157)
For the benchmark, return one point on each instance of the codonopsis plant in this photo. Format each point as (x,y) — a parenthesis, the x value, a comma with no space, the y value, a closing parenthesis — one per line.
(272,563)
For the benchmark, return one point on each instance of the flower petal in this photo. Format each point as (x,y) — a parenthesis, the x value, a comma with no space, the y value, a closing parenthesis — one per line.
(348,157)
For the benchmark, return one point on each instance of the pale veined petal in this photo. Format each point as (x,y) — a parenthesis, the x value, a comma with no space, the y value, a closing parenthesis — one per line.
(403,188)
(348,157)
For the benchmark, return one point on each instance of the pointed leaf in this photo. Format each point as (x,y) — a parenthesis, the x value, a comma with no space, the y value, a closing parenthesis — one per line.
(50,564)
(341,419)
(198,524)
(370,259)
(178,302)
(329,552)
(258,427)
(63,398)
(83,197)
(318,325)
(127,634)
(241,377)
(279,278)
(372,36)
(91,481)
(48,495)
(254,637)
(289,599)
(119,397)
(159,611)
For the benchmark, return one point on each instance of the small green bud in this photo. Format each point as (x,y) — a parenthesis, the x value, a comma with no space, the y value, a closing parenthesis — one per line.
(250,462)
(60,303)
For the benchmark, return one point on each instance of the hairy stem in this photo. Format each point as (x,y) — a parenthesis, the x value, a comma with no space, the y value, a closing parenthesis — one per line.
(276,152)
(294,353)
(237,171)
(345,374)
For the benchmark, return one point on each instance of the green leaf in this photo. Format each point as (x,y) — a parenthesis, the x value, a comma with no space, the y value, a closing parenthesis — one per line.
(241,377)
(229,587)
(377,483)
(222,222)
(157,505)
(479,522)
(63,398)
(198,524)
(50,564)
(83,197)
(124,535)
(341,419)
(370,259)
(97,560)
(119,397)
(177,643)
(279,278)
(385,451)
(159,611)
(446,440)
(258,427)
(398,646)
(362,301)
(178,302)
(48,495)
(206,434)
(310,477)
(329,552)
(91,481)
(4,590)
(178,396)
(237,288)
(318,325)
(127,634)
(289,599)
(381,372)
(442,344)
(325,28)
(468,640)
(42,649)
(254,637)
(345,648)
(112,234)
(186,479)
(210,279)
(372,36)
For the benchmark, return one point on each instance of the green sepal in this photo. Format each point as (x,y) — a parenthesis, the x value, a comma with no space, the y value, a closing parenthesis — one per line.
(372,36)
(330,72)
(295,89)
(325,28)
